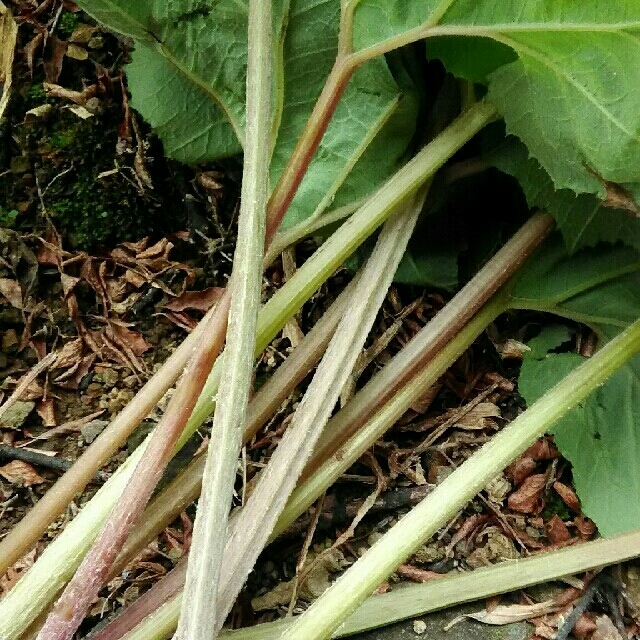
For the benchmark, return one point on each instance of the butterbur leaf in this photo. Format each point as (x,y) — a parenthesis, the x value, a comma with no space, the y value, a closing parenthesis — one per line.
(600,287)
(472,58)
(597,286)
(188,80)
(599,437)
(584,219)
(371,105)
(570,94)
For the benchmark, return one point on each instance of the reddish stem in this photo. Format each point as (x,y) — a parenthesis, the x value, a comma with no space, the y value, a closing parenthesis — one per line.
(307,144)
(75,600)
(83,588)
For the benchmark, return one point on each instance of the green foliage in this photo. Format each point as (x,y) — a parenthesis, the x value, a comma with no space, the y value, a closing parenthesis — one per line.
(67,23)
(571,90)
(194,97)
(599,437)
(600,287)
(7,217)
(563,76)
(583,219)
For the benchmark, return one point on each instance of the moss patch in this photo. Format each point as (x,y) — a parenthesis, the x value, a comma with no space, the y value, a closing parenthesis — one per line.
(91,194)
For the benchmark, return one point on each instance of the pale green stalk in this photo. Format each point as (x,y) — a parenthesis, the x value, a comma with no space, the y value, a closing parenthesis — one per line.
(350,590)
(410,601)
(415,600)
(58,562)
(164,620)
(199,617)
(185,488)
(284,239)
(391,381)
(250,531)
(365,437)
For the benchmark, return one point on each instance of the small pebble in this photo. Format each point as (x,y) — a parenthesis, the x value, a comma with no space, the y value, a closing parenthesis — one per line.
(419,627)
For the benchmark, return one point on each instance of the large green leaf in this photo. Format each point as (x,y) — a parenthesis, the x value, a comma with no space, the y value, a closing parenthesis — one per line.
(600,437)
(372,104)
(583,219)
(552,277)
(570,96)
(472,58)
(188,78)
(599,286)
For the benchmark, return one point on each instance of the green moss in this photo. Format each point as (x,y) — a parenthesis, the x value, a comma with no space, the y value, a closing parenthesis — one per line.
(8,218)
(90,209)
(36,94)
(67,23)
(555,507)
(63,139)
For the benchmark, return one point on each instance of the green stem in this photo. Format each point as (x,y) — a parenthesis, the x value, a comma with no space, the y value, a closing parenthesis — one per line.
(185,488)
(308,142)
(284,239)
(200,617)
(431,338)
(164,620)
(419,599)
(430,341)
(34,591)
(249,532)
(351,589)
(340,459)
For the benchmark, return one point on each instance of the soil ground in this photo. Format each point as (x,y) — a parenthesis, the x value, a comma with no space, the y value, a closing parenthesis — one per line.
(110,252)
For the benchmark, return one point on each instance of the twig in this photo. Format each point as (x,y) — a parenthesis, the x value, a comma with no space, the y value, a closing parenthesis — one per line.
(300,574)
(26,381)
(580,607)
(40,459)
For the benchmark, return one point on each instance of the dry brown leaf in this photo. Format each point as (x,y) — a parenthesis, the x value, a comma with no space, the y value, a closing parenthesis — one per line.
(411,572)
(78,97)
(68,283)
(160,249)
(199,300)
(128,338)
(512,349)
(71,378)
(54,57)
(76,52)
(605,630)
(507,614)
(82,33)
(585,527)
(527,498)
(138,246)
(182,320)
(31,48)
(10,289)
(46,411)
(543,449)
(557,530)
(20,474)
(11,577)
(116,289)
(521,469)
(69,355)
(134,278)
(568,496)
(72,426)
(479,417)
